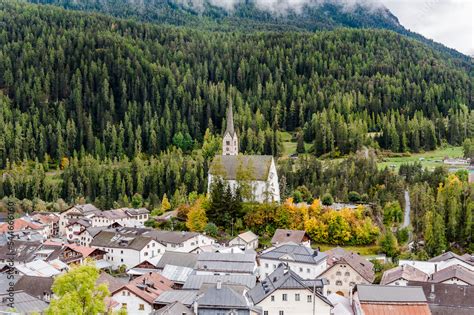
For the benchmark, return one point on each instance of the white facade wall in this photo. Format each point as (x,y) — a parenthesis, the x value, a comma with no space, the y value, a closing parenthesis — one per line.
(118,256)
(190,244)
(342,278)
(132,302)
(230,145)
(242,244)
(291,306)
(305,271)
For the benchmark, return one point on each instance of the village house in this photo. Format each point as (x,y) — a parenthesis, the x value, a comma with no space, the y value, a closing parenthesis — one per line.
(124,217)
(138,296)
(440,262)
(25,224)
(401,275)
(284,292)
(226,264)
(23,252)
(85,237)
(39,287)
(246,240)
(76,212)
(380,299)
(283,236)
(455,274)
(304,261)
(195,281)
(345,270)
(126,248)
(257,172)
(50,219)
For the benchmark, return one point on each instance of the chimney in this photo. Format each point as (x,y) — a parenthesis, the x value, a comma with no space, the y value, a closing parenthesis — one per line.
(432,292)
(403,267)
(436,267)
(219,284)
(195,306)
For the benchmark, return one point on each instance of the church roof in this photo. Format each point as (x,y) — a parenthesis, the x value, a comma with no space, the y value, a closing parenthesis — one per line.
(227,166)
(230,121)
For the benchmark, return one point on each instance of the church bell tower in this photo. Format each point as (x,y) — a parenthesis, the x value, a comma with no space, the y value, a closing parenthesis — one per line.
(230,143)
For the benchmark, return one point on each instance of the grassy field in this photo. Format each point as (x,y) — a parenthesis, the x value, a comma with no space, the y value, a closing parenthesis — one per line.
(361,250)
(289,147)
(430,159)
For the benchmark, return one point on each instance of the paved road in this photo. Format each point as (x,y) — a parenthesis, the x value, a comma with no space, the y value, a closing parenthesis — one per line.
(406,219)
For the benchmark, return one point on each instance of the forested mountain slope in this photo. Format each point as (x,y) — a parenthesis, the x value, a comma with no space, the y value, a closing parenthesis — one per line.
(78,82)
(254,15)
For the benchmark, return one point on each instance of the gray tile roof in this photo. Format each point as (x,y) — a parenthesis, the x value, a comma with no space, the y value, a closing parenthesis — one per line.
(389,293)
(297,253)
(85,209)
(454,271)
(227,262)
(24,251)
(406,272)
(185,297)
(5,282)
(35,286)
(177,259)
(174,308)
(227,166)
(289,236)
(450,255)
(195,282)
(24,304)
(282,278)
(223,297)
(451,298)
(108,238)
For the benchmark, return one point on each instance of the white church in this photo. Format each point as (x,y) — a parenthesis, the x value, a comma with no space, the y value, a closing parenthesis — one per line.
(260,170)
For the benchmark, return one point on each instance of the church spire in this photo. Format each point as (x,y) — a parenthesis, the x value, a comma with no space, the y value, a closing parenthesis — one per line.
(230,121)
(230,143)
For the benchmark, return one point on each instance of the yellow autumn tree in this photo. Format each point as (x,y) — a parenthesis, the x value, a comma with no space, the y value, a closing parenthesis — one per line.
(197,218)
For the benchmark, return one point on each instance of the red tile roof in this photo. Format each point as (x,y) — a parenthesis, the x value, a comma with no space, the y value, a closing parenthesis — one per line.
(19,225)
(395,309)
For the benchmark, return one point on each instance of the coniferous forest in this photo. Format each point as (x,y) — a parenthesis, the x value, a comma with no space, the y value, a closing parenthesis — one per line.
(104,109)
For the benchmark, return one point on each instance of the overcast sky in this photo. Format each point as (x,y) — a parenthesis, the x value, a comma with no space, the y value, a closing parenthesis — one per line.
(449,22)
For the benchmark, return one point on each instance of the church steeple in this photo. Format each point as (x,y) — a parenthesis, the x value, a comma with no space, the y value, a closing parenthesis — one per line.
(230,141)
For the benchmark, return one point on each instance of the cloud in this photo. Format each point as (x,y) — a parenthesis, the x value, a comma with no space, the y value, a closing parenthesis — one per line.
(280,7)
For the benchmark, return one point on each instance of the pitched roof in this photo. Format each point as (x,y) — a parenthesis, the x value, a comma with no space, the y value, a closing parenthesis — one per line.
(226,262)
(85,209)
(390,293)
(248,236)
(294,252)
(35,286)
(45,218)
(396,309)
(361,265)
(454,271)
(469,259)
(195,282)
(185,297)
(288,236)
(229,121)
(177,259)
(148,286)
(38,268)
(223,296)
(24,304)
(282,278)
(108,238)
(227,166)
(177,273)
(113,283)
(24,251)
(405,272)
(173,309)
(20,224)
(5,282)
(448,298)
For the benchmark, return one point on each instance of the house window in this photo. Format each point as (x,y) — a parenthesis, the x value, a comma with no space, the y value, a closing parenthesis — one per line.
(309,298)
(123,293)
(338,273)
(141,307)
(266,265)
(281,313)
(265,312)
(347,274)
(329,282)
(352,284)
(124,305)
(339,283)
(297,297)
(308,270)
(301,269)
(273,298)
(284,297)
(121,259)
(227,142)
(146,253)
